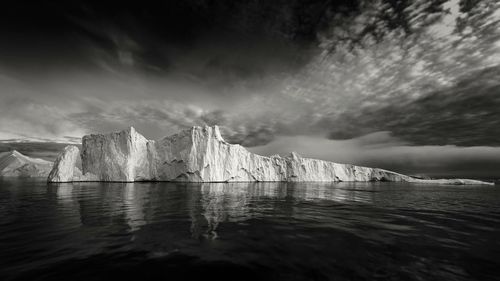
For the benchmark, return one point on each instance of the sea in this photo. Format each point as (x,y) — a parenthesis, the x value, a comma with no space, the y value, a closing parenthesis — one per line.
(248,231)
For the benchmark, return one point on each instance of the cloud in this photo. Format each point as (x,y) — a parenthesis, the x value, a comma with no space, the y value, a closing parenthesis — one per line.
(423,87)
(464,114)
(26,119)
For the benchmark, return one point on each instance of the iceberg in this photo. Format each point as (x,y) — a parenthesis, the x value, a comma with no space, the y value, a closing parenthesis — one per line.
(16,164)
(200,154)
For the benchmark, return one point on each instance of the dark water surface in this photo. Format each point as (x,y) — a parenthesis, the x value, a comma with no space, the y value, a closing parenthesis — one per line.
(264,231)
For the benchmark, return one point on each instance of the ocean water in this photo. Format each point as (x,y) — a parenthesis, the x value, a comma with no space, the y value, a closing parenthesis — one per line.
(242,231)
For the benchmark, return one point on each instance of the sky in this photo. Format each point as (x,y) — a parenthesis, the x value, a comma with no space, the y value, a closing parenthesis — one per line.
(412,86)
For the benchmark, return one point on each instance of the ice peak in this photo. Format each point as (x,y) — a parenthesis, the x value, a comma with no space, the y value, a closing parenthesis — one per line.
(294,155)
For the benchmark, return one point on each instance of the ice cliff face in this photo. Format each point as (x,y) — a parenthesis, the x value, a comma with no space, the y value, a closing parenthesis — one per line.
(199,154)
(15,164)
(64,169)
(121,156)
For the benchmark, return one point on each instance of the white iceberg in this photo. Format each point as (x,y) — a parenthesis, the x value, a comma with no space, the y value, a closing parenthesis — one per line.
(200,154)
(15,164)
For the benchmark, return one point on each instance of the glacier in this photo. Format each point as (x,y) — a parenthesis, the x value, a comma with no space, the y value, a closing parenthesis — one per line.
(200,154)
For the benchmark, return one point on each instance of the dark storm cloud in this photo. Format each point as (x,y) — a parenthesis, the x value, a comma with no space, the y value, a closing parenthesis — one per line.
(151,36)
(222,38)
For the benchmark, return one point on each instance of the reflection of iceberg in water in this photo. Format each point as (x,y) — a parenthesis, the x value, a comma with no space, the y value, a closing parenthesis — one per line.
(65,195)
(237,202)
(224,202)
(232,202)
(104,203)
(92,203)
(339,192)
(134,198)
(64,192)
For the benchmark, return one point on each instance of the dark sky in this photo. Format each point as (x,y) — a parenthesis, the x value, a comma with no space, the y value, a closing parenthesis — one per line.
(412,86)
